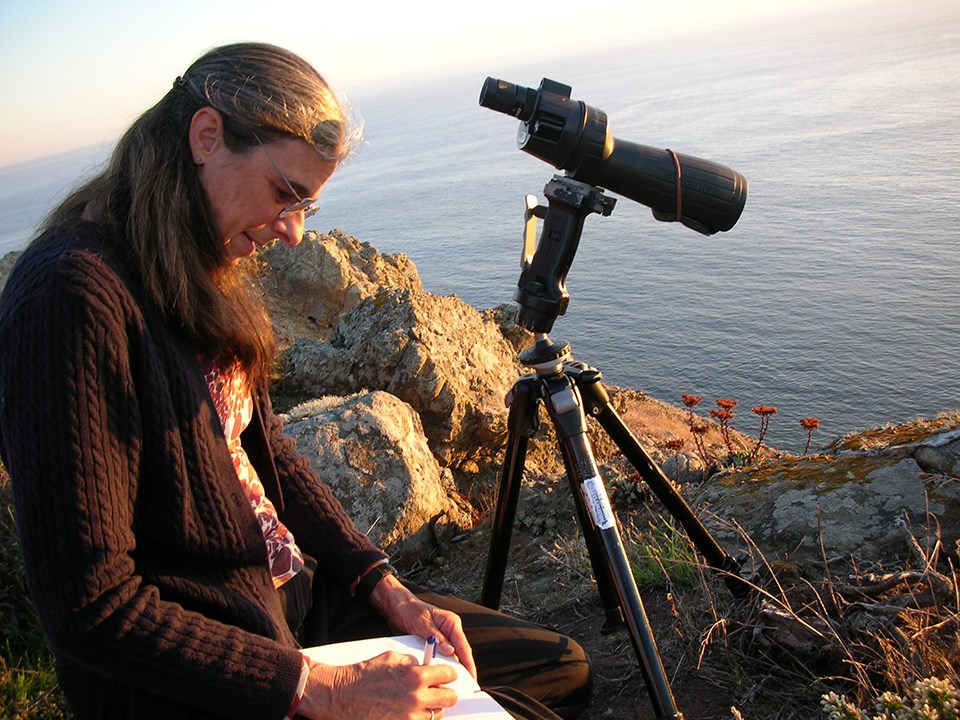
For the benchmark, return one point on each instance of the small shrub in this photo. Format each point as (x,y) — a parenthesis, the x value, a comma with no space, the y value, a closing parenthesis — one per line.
(927,699)
(629,491)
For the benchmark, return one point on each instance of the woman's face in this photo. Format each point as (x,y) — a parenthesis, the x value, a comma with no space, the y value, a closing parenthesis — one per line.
(246,191)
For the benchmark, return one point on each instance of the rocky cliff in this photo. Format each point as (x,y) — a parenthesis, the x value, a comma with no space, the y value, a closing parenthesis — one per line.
(358,322)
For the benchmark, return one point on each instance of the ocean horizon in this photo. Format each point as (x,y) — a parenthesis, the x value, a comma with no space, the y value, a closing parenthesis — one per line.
(834,296)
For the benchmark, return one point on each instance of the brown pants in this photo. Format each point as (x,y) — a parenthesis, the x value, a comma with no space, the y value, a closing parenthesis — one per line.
(533,672)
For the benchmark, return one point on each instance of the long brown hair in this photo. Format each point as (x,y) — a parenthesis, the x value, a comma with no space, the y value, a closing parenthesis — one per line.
(152,207)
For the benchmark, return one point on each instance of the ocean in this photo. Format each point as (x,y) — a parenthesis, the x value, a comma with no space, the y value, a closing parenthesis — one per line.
(836,294)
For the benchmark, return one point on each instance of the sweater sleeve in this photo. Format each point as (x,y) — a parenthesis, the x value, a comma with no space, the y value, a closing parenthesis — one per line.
(71,436)
(316,517)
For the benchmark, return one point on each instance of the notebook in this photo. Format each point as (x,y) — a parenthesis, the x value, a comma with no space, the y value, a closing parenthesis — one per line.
(473,703)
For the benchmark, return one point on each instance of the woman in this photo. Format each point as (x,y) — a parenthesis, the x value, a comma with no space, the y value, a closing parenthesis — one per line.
(179,551)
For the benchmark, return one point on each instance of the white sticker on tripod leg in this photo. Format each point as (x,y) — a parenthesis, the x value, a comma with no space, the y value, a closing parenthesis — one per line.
(598,502)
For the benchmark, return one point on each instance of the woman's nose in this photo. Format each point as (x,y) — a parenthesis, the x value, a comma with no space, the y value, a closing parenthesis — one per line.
(290,229)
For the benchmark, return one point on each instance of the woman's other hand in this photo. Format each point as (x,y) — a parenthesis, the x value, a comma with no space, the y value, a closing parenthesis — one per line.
(409,615)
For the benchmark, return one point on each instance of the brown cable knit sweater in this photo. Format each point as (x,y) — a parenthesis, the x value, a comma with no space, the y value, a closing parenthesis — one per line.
(145,561)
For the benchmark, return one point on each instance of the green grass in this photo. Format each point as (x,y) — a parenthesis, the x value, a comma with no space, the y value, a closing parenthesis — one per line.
(28,685)
(660,555)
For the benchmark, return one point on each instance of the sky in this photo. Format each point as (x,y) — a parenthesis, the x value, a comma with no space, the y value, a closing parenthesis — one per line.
(74,75)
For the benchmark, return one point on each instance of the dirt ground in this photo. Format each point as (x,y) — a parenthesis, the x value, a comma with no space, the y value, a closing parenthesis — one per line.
(620,691)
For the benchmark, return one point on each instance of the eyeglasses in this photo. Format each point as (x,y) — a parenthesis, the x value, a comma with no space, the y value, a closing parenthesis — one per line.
(304,205)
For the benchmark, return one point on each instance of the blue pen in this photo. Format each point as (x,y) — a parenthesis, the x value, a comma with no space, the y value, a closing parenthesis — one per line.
(429,649)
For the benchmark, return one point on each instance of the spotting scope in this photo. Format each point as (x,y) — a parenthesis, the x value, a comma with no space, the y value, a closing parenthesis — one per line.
(574,137)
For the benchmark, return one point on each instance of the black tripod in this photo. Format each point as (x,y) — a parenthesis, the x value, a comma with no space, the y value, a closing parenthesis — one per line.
(571,391)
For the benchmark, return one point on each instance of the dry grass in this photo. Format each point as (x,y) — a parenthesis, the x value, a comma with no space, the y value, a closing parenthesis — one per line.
(857,631)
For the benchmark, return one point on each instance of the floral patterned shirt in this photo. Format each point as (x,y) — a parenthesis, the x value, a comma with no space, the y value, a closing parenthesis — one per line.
(228,388)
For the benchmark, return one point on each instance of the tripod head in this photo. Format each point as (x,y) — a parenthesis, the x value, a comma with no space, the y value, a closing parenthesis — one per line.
(575,137)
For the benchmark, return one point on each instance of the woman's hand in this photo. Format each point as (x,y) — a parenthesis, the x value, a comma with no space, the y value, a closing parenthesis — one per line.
(409,615)
(391,685)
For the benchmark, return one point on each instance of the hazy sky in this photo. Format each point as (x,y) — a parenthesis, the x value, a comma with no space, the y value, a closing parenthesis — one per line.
(74,74)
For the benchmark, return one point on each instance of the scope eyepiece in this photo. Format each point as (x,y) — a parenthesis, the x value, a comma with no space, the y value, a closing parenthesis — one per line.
(508,98)
(574,137)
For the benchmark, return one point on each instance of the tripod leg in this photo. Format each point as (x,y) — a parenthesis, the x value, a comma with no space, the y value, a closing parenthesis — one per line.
(598,404)
(522,423)
(565,407)
(599,560)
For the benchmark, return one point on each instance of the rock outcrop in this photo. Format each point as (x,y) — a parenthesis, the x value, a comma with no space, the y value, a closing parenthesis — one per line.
(433,352)
(878,496)
(308,287)
(372,452)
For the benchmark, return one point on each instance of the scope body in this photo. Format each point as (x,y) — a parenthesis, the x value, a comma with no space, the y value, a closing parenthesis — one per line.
(574,137)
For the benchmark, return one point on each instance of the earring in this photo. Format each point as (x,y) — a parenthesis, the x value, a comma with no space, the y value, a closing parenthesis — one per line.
(197,160)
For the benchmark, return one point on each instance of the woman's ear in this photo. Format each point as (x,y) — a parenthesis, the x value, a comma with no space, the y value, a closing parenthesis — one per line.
(206,134)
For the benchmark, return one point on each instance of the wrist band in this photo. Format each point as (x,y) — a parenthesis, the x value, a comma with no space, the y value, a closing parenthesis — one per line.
(298,696)
(371,579)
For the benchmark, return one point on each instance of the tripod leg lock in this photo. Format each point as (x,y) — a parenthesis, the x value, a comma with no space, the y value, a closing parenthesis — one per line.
(523,419)
(565,400)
